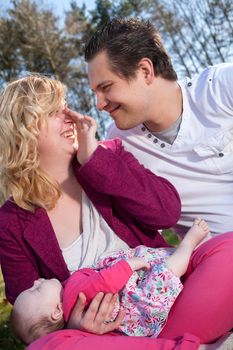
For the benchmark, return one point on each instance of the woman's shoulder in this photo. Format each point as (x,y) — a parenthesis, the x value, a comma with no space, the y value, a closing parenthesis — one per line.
(10,212)
(8,208)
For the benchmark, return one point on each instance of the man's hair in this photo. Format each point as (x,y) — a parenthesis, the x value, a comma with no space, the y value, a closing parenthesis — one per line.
(29,330)
(126,41)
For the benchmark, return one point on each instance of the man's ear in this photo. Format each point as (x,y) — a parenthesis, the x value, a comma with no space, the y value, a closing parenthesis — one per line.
(57,313)
(145,65)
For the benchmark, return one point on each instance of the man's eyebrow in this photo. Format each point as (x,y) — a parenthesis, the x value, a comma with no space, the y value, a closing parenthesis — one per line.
(99,86)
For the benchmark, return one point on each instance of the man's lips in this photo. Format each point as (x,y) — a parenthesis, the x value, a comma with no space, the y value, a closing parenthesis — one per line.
(112,110)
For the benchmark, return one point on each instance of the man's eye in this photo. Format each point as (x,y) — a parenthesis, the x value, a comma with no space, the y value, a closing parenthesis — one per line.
(106,87)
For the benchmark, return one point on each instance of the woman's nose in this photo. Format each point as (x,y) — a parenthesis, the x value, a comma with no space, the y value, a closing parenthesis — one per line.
(67,120)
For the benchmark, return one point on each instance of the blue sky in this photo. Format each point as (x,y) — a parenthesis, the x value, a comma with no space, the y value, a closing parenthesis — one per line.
(59,6)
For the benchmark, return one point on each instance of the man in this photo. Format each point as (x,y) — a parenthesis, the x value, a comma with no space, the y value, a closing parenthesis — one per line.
(180,130)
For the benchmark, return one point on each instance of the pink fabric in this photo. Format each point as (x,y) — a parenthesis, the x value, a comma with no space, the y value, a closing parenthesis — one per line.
(91,282)
(205,306)
(146,296)
(29,250)
(134,202)
(78,340)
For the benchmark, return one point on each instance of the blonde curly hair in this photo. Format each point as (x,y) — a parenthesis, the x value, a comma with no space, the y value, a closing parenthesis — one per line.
(25,105)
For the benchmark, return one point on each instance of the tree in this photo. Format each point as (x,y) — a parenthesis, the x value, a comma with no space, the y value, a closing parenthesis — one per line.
(197,33)
(32,39)
(39,44)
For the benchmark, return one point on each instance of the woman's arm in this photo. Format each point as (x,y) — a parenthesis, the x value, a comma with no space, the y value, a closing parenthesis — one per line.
(151,200)
(18,271)
(110,170)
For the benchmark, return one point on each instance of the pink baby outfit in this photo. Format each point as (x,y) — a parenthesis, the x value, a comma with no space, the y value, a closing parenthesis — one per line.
(146,296)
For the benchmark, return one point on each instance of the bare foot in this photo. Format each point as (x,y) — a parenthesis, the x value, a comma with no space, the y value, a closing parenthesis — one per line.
(179,260)
(198,233)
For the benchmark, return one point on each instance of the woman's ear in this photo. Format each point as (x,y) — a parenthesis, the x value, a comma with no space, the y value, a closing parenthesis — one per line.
(57,313)
(145,65)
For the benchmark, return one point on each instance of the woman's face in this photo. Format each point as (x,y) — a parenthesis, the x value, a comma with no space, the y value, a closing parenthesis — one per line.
(57,137)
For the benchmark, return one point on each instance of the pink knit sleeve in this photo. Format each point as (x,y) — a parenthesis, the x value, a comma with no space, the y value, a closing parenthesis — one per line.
(89,281)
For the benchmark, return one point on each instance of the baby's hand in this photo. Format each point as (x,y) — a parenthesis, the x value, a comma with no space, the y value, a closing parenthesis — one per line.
(86,129)
(137,263)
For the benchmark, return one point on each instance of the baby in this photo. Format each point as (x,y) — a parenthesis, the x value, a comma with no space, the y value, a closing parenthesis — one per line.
(146,295)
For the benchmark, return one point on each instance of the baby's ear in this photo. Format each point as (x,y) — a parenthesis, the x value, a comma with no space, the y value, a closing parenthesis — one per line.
(57,313)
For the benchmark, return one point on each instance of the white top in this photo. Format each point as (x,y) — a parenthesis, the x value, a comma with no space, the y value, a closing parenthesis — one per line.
(97,240)
(200,161)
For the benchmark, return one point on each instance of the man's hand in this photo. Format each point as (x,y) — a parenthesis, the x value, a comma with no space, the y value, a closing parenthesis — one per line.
(93,320)
(86,129)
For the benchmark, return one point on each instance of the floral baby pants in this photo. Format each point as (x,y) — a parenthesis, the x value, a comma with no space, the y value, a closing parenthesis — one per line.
(149,294)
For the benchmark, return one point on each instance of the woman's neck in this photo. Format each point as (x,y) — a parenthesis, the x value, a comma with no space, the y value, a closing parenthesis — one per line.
(59,169)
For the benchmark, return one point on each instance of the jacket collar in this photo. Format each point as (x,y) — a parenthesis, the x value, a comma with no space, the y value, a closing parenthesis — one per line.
(40,235)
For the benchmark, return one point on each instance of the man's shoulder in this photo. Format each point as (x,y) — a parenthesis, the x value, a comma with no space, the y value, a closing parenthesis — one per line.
(221,73)
(211,91)
(217,71)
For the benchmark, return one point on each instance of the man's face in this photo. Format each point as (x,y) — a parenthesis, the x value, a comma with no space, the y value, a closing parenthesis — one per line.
(125,101)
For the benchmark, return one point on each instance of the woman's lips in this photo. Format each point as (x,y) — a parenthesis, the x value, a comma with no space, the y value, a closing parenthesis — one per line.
(68,133)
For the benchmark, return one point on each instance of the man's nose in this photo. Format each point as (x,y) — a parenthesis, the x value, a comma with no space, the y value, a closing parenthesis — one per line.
(101,101)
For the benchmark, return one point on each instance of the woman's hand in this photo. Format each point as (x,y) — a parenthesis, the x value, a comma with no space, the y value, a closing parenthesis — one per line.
(86,130)
(95,318)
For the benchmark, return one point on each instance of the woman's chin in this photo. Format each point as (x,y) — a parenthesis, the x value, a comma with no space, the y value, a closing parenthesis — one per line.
(75,146)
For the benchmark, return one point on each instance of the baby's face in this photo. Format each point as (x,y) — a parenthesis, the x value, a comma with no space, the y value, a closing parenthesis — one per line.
(41,297)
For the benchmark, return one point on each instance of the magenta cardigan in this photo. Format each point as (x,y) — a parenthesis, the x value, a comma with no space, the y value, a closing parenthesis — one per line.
(134,202)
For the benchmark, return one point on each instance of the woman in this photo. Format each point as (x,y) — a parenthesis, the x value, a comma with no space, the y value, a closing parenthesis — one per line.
(45,224)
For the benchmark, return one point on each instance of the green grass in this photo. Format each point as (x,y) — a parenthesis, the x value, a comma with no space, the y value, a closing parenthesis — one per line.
(7,340)
(171,237)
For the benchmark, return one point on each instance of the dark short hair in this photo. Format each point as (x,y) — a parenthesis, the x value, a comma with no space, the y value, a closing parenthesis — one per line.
(126,41)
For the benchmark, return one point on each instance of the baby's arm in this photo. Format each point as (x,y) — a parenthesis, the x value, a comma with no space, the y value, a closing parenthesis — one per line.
(137,263)
(89,281)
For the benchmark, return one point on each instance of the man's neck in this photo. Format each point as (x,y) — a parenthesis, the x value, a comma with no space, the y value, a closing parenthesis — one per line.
(167,106)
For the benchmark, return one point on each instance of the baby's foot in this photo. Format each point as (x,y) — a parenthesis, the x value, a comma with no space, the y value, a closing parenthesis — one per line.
(198,233)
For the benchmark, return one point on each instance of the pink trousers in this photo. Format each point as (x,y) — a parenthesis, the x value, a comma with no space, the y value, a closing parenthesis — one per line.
(73,339)
(205,305)
(204,308)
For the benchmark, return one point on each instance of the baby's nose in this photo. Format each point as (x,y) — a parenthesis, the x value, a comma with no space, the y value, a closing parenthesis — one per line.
(37,282)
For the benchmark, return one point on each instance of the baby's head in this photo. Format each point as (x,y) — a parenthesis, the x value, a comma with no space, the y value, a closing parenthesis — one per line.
(38,310)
